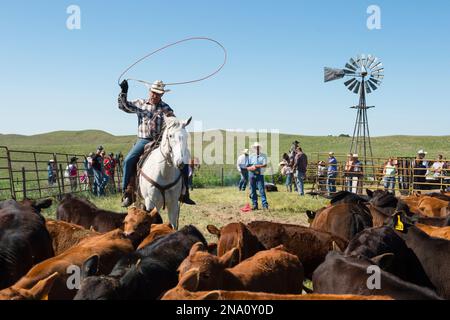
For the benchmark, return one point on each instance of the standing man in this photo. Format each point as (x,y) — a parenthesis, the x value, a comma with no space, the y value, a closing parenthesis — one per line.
(110,167)
(331,174)
(357,175)
(97,167)
(292,154)
(242,164)
(301,165)
(257,164)
(150,115)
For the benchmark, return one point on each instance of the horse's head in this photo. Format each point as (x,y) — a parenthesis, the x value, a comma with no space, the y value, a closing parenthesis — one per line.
(174,141)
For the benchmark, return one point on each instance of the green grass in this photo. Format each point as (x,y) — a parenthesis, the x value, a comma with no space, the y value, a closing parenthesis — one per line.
(220,206)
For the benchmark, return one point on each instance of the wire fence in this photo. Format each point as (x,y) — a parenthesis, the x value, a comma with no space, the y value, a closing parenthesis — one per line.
(30,174)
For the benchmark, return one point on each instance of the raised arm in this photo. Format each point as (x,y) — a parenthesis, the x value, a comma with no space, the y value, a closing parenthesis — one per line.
(123,103)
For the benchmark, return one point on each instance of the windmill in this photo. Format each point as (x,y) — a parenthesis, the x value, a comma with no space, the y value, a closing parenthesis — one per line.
(365,74)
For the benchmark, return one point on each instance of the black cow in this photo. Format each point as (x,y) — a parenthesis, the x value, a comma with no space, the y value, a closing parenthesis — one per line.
(377,241)
(144,274)
(24,239)
(433,253)
(84,213)
(341,274)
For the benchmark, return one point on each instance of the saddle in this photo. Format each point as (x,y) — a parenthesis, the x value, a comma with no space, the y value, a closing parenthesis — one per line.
(133,187)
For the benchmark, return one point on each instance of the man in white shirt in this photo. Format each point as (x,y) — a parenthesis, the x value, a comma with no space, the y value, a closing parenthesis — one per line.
(242,164)
(438,167)
(257,165)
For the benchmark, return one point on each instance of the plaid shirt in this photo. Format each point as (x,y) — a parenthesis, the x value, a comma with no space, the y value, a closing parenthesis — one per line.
(150,117)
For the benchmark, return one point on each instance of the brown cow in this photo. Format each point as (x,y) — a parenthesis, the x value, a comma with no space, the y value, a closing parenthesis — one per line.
(65,235)
(39,291)
(138,222)
(309,245)
(180,293)
(437,232)
(432,206)
(84,213)
(156,231)
(109,247)
(344,219)
(273,270)
(236,235)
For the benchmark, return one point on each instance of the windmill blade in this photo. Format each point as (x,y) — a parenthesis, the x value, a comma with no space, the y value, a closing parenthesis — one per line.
(375,80)
(370,60)
(374,61)
(368,89)
(372,85)
(376,65)
(357,87)
(378,70)
(352,85)
(331,74)
(353,62)
(349,82)
(350,67)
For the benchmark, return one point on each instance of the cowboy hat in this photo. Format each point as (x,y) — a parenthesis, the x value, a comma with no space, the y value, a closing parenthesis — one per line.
(73,159)
(245,151)
(51,160)
(158,87)
(421,151)
(330,153)
(355,155)
(256,145)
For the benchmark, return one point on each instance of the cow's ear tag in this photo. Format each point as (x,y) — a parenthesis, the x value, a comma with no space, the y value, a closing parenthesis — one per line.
(399,225)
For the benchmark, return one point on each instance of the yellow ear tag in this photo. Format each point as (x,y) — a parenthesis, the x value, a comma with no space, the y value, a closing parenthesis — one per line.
(399,225)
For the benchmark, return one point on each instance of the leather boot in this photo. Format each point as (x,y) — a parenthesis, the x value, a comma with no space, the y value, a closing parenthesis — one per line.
(184,198)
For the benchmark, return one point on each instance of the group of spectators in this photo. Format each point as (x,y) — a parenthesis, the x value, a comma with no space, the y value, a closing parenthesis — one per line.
(98,175)
(294,166)
(100,171)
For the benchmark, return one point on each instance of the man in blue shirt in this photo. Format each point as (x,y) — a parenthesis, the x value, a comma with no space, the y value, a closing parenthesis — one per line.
(331,174)
(257,164)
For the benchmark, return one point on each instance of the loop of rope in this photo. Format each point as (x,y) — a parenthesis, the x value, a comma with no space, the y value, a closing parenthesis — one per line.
(170,45)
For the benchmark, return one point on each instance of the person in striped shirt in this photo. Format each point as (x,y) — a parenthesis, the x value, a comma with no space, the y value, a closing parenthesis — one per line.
(150,115)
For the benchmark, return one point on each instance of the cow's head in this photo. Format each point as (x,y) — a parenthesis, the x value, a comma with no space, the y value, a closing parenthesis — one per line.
(137,223)
(210,268)
(95,287)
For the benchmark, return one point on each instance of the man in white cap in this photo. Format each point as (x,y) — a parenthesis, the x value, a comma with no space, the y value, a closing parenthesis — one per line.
(150,115)
(257,164)
(242,164)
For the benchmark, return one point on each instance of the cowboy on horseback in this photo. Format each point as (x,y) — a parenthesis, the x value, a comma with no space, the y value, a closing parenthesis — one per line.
(150,115)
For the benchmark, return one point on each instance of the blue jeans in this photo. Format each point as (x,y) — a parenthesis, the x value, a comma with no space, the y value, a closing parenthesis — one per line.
(131,160)
(244,179)
(389,184)
(331,183)
(289,182)
(301,183)
(98,187)
(257,181)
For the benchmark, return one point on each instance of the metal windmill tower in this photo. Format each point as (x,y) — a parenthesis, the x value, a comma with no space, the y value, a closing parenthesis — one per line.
(366,74)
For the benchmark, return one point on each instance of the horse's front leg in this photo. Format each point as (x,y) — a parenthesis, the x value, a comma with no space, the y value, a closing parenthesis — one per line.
(173,210)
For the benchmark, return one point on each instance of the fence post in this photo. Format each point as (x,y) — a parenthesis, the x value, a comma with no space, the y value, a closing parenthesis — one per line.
(37,174)
(62,178)
(24,183)
(11,176)
(221,177)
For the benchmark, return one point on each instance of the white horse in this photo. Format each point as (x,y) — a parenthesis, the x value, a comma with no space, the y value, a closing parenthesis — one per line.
(160,180)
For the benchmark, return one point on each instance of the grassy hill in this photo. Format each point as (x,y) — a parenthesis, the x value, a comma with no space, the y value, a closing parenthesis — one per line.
(83,142)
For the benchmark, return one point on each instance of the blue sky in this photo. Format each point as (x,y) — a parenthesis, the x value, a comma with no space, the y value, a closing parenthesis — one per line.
(53,78)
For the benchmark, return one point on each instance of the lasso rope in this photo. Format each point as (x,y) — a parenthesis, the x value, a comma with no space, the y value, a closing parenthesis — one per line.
(170,45)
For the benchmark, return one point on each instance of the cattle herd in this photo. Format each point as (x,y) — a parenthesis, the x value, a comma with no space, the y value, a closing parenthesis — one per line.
(374,247)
